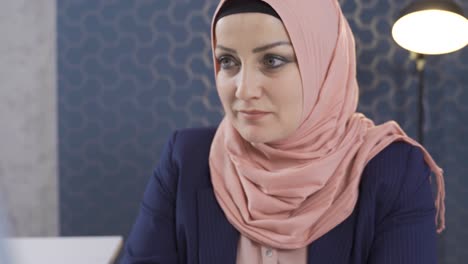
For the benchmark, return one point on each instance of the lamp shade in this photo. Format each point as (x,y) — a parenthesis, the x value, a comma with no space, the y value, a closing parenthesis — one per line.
(431,27)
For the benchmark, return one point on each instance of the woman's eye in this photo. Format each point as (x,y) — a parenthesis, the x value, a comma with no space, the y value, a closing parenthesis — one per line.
(226,62)
(273,61)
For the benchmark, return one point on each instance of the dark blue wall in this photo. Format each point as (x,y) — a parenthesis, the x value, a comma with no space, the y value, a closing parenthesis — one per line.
(132,71)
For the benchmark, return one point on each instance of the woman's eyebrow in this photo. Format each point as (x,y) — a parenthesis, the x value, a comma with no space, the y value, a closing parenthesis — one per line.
(226,49)
(269,46)
(258,49)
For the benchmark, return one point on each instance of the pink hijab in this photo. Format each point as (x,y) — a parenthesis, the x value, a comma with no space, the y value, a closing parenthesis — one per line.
(287,194)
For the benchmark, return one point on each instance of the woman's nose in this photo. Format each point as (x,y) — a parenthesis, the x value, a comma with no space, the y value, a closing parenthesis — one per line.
(248,86)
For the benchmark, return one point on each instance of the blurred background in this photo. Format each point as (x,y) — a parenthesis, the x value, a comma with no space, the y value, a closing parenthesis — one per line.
(91,89)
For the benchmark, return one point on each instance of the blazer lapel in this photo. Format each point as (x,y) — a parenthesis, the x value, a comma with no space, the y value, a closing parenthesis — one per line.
(217,237)
(335,247)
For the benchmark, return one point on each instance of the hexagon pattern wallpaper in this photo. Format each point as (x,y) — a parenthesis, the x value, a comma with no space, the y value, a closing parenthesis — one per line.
(130,72)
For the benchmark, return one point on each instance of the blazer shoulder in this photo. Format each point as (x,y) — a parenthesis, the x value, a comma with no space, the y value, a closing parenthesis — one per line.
(192,145)
(386,168)
(398,171)
(394,157)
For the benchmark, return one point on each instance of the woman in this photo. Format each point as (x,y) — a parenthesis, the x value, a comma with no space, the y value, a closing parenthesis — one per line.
(292,174)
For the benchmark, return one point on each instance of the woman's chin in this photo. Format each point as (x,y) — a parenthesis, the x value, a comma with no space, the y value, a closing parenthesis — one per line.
(256,134)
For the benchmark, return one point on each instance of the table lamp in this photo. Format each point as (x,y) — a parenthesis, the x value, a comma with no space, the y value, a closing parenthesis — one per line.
(430,27)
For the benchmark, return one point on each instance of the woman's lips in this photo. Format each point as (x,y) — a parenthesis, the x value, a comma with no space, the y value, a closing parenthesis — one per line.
(253,114)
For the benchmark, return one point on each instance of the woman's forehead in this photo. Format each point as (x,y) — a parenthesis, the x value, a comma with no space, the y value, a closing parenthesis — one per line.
(247,26)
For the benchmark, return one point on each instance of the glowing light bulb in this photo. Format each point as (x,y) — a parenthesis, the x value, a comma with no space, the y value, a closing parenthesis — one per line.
(431,31)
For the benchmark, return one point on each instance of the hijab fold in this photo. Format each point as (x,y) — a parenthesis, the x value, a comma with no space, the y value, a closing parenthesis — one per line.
(288,193)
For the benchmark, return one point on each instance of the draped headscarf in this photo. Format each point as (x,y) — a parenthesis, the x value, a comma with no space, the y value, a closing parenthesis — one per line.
(288,193)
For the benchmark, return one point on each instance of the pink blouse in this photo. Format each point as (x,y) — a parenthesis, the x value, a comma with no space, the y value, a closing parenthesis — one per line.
(249,251)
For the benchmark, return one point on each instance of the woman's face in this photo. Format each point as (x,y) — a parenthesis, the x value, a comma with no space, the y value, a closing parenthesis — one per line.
(258,79)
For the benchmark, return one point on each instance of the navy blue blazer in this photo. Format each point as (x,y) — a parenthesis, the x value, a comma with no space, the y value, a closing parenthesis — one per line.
(180,220)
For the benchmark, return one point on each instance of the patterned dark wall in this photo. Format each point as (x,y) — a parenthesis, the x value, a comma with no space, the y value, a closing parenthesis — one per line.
(130,72)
